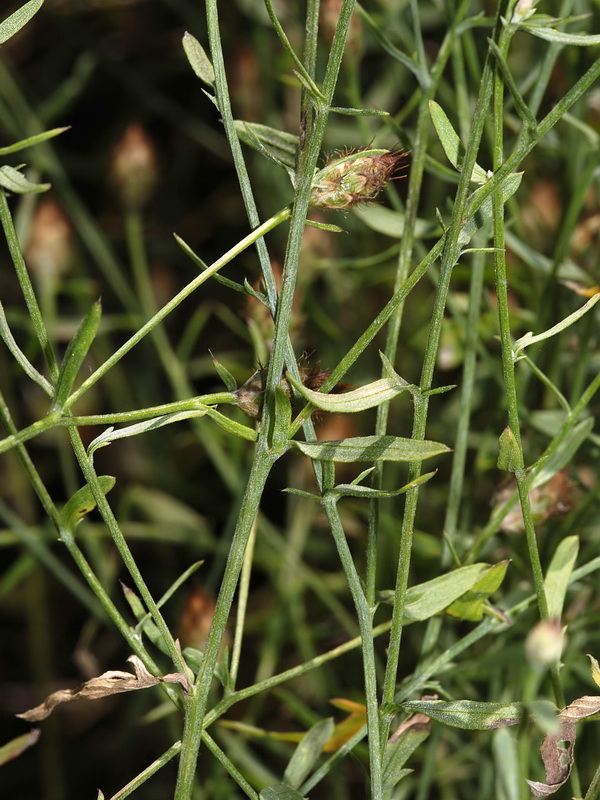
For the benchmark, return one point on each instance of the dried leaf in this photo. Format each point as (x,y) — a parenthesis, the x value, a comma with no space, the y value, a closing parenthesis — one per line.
(581,708)
(112,682)
(557,758)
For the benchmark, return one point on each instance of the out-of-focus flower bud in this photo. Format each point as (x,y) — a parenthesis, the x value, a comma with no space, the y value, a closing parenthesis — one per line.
(354,178)
(133,168)
(544,643)
(49,251)
(196,620)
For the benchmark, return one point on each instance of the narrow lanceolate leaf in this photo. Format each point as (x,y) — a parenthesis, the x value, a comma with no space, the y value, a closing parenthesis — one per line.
(15,747)
(14,181)
(16,21)
(198,59)
(564,453)
(111,435)
(368,396)
(561,37)
(372,448)
(401,745)
(83,502)
(32,140)
(559,574)
(450,141)
(355,490)
(469,715)
(308,753)
(76,352)
(280,791)
(529,338)
(278,146)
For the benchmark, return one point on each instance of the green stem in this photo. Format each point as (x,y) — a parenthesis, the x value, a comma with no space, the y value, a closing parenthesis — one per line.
(449,258)
(139,263)
(109,518)
(265,455)
(498,515)
(417,168)
(137,415)
(251,238)
(363,613)
(26,287)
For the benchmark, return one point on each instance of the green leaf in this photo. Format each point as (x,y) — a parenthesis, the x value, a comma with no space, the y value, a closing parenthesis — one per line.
(560,37)
(509,453)
(564,453)
(391,223)
(15,747)
(470,715)
(372,448)
(111,435)
(146,623)
(14,181)
(230,425)
(18,19)
(434,596)
(359,112)
(324,226)
(559,574)
(506,760)
(280,791)
(431,597)
(82,502)
(529,339)
(308,753)
(472,604)
(368,396)
(277,145)
(223,373)
(401,745)
(32,140)
(354,490)
(199,61)
(75,355)
(453,147)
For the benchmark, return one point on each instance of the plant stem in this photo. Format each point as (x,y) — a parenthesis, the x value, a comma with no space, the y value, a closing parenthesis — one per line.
(363,613)
(234,251)
(449,258)
(266,454)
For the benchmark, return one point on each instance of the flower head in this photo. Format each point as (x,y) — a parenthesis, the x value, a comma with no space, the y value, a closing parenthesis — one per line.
(354,178)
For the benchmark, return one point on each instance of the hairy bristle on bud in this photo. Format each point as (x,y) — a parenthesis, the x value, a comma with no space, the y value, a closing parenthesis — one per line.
(355,178)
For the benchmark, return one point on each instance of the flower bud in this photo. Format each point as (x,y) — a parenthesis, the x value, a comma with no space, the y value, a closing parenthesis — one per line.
(544,643)
(133,168)
(50,248)
(354,178)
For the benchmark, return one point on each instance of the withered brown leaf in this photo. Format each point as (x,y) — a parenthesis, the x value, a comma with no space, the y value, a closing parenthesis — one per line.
(558,758)
(113,681)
